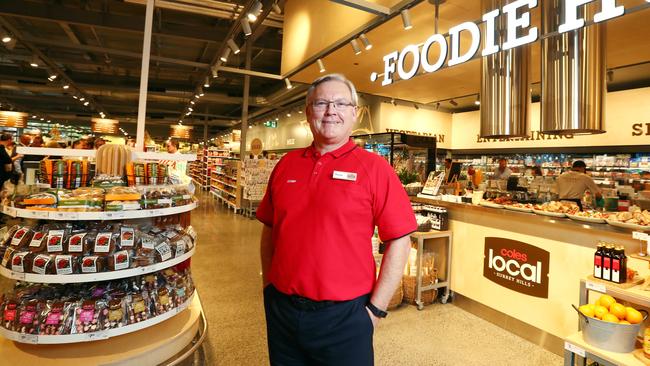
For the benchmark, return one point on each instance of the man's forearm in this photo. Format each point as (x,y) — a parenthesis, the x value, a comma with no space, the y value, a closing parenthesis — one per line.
(266,252)
(392,269)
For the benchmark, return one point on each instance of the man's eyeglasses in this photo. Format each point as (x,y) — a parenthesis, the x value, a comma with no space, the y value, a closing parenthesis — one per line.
(322,104)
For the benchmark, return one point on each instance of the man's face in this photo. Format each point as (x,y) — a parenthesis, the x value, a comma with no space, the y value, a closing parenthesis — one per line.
(502,164)
(171,148)
(447,164)
(329,124)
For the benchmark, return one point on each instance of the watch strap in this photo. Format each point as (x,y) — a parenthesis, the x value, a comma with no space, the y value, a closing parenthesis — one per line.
(376,311)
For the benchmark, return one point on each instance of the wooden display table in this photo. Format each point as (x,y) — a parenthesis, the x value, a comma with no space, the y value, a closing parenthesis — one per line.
(150,346)
(423,238)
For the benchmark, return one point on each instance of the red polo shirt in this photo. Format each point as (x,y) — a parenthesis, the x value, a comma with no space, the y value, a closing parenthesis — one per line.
(323,210)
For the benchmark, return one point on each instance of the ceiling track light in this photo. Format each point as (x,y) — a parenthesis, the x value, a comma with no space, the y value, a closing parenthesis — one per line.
(478,100)
(206,82)
(225,54)
(366,42)
(199,92)
(215,71)
(11,44)
(437,106)
(355,46)
(417,107)
(34,61)
(192,102)
(246,27)
(406,19)
(66,86)
(321,67)
(82,99)
(393,102)
(288,83)
(233,46)
(254,11)
(453,102)
(6,37)
(86,103)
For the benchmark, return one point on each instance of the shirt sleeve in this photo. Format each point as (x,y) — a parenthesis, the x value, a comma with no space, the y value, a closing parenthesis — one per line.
(392,210)
(591,185)
(265,211)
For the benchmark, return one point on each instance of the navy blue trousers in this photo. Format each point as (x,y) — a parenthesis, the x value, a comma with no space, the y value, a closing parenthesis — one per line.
(338,335)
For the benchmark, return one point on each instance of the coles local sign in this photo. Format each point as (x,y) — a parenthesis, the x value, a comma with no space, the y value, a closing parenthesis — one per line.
(517,266)
(518,33)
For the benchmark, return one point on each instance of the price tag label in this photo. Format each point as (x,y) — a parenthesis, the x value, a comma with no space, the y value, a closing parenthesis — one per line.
(102,334)
(18,275)
(37,214)
(65,216)
(11,211)
(598,287)
(114,215)
(639,235)
(28,338)
(575,349)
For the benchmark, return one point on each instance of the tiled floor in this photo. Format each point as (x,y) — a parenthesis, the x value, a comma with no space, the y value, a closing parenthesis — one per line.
(226,270)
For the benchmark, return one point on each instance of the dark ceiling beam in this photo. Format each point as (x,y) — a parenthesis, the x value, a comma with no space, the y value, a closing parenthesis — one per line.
(74,38)
(122,22)
(62,76)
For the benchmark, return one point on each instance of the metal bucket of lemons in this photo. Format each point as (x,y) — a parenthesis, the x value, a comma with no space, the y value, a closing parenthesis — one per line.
(610,325)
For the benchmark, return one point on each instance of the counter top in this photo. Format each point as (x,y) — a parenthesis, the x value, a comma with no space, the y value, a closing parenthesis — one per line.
(525,216)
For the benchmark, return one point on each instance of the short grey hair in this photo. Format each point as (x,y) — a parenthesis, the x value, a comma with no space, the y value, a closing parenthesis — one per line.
(333,77)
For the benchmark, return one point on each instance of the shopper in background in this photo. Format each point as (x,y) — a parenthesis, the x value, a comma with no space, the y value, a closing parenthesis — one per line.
(321,206)
(130,142)
(571,185)
(177,170)
(99,142)
(6,164)
(502,171)
(79,144)
(536,171)
(37,141)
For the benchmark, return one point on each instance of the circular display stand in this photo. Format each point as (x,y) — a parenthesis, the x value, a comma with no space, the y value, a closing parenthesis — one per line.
(158,344)
(93,216)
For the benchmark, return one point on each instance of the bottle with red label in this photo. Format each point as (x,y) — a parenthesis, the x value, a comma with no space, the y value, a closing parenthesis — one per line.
(607,263)
(619,265)
(598,260)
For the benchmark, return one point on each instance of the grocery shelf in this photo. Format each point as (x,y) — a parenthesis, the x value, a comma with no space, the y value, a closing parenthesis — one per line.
(94,336)
(634,294)
(103,215)
(44,151)
(93,277)
(225,184)
(575,344)
(223,190)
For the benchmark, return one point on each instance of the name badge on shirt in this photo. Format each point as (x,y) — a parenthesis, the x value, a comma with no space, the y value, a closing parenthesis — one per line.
(344,176)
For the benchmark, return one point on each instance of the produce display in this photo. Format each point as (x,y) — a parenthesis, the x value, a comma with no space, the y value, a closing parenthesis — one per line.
(91,307)
(116,198)
(607,309)
(80,247)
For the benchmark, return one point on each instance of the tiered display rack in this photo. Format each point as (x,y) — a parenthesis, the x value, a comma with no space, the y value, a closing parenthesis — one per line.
(173,335)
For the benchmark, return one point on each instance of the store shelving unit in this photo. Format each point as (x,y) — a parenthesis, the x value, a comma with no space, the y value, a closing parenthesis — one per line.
(225,184)
(574,345)
(165,333)
(197,169)
(433,238)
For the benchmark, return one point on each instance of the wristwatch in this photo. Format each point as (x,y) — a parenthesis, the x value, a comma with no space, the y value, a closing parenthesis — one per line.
(376,311)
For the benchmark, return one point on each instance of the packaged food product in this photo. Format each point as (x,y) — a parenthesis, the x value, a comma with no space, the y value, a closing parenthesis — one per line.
(21,262)
(163,251)
(93,264)
(127,236)
(59,173)
(43,264)
(38,242)
(66,264)
(9,234)
(108,181)
(42,198)
(122,194)
(21,237)
(116,313)
(79,243)
(55,239)
(104,243)
(138,307)
(9,312)
(163,300)
(8,255)
(27,321)
(56,318)
(119,260)
(122,205)
(88,316)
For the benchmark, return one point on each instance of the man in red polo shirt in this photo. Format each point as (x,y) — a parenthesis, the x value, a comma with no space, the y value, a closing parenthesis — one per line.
(320,210)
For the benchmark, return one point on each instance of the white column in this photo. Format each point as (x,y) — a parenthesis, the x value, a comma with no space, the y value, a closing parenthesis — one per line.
(144,77)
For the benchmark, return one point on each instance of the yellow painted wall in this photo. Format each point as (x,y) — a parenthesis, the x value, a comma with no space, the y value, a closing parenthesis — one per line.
(401,117)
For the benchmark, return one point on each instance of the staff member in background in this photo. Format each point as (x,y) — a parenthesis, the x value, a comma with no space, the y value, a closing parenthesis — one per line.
(536,171)
(322,203)
(6,164)
(502,171)
(475,176)
(571,185)
(447,168)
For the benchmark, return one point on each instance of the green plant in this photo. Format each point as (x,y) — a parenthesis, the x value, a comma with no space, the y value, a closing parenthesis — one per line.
(406,176)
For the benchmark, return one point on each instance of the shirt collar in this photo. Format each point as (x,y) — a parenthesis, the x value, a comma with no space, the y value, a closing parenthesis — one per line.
(349,146)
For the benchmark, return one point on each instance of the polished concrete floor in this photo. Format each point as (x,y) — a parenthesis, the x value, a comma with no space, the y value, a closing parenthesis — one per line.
(226,270)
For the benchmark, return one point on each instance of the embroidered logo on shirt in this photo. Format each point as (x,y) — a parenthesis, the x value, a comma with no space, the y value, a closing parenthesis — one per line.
(291,181)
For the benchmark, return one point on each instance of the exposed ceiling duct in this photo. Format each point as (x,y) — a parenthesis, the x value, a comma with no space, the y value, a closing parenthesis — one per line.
(573,74)
(505,84)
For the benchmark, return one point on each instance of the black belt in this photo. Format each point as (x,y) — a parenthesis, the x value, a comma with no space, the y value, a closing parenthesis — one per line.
(303,303)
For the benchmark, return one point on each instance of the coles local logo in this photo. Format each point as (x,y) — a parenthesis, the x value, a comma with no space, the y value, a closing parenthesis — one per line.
(517,266)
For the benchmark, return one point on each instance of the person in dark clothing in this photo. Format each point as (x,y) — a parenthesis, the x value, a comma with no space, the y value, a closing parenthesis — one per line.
(6,164)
